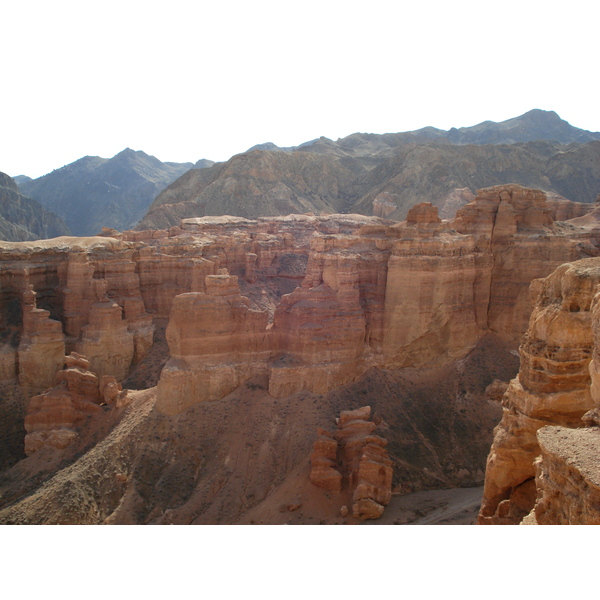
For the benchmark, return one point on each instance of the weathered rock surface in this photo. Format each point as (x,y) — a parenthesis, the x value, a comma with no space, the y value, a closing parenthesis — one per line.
(107,340)
(42,348)
(356,456)
(52,416)
(301,305)
(217,342)
(552,388)
(568,477)
(318,300)
(324,473)
(241,459)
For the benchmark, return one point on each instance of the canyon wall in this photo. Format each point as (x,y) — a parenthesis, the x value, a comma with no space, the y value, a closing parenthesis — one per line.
(542,466)
(301,307)
(312,302)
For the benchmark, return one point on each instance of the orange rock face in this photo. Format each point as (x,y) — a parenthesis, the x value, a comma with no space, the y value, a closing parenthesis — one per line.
(318,300)
(52,416)
(216,341)
(42,346)
(107,340)
(552,388)
(359,454)
(568,477)
(324,473)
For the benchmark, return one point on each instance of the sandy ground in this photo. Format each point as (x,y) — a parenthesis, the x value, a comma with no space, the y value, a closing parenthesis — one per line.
(433,507)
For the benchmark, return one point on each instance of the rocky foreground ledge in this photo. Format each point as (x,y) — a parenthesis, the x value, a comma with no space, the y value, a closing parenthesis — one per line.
(543,467)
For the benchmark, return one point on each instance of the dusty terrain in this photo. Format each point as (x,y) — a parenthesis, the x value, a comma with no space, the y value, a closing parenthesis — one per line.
(245,459)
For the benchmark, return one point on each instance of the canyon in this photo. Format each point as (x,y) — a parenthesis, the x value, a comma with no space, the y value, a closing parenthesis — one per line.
(194,374)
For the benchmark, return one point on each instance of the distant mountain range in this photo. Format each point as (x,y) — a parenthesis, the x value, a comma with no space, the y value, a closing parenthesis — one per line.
(23,219)
(532,126)
(383,174)
(387,174)
(95,192)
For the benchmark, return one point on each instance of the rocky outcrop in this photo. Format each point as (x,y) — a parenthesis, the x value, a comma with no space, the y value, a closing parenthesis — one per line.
(567,477)
(311,301)
(42,347)
(216,341)
(52,417)
(437,291)
(355,307)
(323,459)
(552,388)
(82,288)
(367,463)
(107,340)
(354,457)
(319,328)
(513,227)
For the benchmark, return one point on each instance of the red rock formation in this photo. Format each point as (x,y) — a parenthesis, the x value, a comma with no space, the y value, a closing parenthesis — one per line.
(437,293)
(567,477)
(42,346)
(369,468)
(323,459)
(552,388)
(354,304)
(513,226)
(362,457)
(216,343)
(107,340)
(53,415)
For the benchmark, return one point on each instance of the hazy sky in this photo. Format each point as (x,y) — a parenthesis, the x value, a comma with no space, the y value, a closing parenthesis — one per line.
(190,80)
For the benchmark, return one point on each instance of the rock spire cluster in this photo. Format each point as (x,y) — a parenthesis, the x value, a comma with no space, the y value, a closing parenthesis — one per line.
(363,465)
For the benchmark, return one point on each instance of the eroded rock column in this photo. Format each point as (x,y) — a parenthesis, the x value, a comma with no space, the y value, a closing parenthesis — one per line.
(552,387)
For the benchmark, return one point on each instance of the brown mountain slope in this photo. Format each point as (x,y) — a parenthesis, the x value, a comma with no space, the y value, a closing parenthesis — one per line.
(267,183)
(432,173)
(255,184)
(22,218)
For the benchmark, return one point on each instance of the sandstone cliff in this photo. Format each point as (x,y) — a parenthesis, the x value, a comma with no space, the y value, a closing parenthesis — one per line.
(275,326)
(553,388)
(313,302)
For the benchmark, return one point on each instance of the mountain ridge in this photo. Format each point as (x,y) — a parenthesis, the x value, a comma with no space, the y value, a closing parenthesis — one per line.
(94,192)
(24,219)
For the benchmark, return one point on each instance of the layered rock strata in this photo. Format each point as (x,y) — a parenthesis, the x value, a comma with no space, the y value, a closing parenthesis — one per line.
(324,460)
(52,417)
(337,294)
(368,465)
(363,465)
(216,343)
(42,346)
(552,388)
(567,477)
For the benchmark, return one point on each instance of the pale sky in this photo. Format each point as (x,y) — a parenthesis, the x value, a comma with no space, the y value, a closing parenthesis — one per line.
(190,80)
